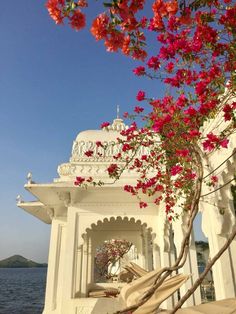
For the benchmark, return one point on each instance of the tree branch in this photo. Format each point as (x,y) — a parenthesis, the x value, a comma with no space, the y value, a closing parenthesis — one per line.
(219,165)
(219,188)
(204,273)
(180,261)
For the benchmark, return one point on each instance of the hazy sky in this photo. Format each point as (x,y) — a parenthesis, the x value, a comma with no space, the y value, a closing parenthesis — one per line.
(54,83)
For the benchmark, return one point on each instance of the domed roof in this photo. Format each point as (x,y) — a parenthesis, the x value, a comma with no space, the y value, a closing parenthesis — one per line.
(86,140)
(107,134)
(95,165)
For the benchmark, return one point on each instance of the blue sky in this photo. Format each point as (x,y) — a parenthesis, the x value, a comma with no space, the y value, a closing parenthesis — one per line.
(54,83)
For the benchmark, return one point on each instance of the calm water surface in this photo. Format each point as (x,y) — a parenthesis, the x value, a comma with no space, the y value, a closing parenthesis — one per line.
(22,290)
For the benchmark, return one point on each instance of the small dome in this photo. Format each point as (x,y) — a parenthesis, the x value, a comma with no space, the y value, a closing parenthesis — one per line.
(97,135)
(105,135)
(86,140)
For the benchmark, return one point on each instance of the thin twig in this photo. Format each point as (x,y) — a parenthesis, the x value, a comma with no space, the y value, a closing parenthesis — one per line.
(180,261)
(204,273)
(219,165)
(219,188)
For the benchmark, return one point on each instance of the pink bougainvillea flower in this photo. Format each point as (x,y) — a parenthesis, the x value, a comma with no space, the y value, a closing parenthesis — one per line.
(208,145)
(140,96)
(142,204)
(190,111)
(79,180)
(138,109)
(170,67)
(126,147)
(89,153)
(176,170)
(139,71)
(182,152)
(224,143)
(105,124)
(214,179)
(129,188)
(99,144)
(153,63)
(113,170)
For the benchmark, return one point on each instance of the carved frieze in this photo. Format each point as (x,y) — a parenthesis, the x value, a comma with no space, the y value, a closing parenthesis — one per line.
(99,153)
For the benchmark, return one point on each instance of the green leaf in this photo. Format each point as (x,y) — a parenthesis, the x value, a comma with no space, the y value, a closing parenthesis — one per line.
(107,4)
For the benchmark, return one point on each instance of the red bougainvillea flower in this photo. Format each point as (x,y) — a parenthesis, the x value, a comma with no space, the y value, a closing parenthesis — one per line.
(100,26)
(55,10)
(77,20)
(172,7)
(89,153)
(140,96)
(105,124)
(82,3)
(114,41)
(126,45)
(79,180)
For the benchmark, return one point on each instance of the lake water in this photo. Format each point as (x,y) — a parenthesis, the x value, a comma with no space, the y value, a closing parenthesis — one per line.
(22,290)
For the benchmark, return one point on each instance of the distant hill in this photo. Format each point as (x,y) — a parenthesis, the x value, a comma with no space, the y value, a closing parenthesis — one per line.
(17,261)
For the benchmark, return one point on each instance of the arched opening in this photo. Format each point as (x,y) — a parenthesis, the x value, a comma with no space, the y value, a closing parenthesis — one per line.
(108,246)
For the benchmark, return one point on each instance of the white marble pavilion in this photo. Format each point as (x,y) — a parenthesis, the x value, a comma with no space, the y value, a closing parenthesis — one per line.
(82,219)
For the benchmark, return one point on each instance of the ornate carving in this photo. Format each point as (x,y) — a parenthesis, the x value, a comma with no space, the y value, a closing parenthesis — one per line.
(99,155)
(66,169)
(50,212)
(117,125)
(65,197)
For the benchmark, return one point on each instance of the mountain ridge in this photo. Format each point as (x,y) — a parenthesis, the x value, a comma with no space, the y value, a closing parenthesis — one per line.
(18,261)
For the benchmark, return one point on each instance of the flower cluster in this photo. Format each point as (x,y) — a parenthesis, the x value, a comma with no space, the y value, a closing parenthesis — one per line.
(195,58)
(110,252)
(60,10)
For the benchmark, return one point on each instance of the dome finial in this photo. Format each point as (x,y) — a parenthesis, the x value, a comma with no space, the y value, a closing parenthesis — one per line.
(117,112)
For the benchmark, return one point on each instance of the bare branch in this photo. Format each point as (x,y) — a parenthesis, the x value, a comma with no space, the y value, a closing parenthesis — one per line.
(204,273)
(219,188)
(219,165)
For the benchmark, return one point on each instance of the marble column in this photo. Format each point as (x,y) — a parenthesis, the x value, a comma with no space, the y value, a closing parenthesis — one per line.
(84,278)
(78,271)
(54,260)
